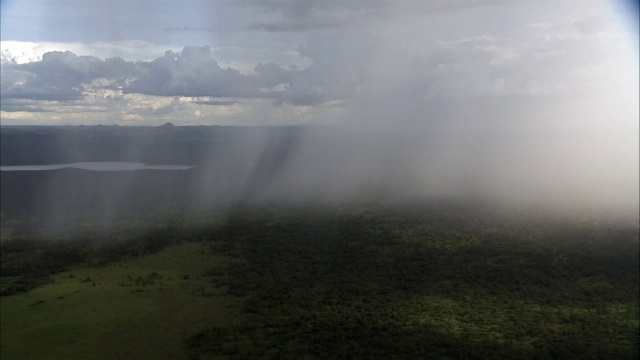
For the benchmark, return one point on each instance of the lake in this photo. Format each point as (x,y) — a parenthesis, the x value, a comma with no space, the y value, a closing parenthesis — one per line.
(97,166)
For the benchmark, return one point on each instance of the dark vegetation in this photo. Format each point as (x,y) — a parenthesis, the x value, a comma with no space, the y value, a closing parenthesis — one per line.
(436,283)
(432,279)
(29,260)
(429,281)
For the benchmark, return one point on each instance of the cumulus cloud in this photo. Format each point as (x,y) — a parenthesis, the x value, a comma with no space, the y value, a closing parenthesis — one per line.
(193,72)
(22,52)
(64,76)
(216,102)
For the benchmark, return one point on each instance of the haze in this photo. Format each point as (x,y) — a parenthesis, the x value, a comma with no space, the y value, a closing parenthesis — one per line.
(531,104)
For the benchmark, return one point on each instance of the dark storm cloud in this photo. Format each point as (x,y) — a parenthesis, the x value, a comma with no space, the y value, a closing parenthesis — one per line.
(340,64)
(400,62)
(304,15)
(271,75)
(61,76)
(306,23)
(316,85)
(344,65)
(195,73)
(309,15)
(216,102)
(293,8)
(187,28)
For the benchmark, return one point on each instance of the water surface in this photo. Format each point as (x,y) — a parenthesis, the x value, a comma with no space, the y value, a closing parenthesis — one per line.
(96,166)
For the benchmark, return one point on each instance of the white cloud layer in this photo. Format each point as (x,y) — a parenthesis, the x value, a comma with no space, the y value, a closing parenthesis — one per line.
(21,52)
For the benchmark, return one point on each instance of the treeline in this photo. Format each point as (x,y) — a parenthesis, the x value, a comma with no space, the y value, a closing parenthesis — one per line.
(389,285)
(361,282)
(29,261)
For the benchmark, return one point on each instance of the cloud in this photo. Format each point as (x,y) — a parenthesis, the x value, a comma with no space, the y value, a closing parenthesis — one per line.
(297,16)
(189,29)
(22,52)
(313,21)
(592,25)
(162,107)
(133,118)
(216,102)
(416,69)
(64,76)
(271,75)
(195,73)
(544,92)
(16,105)
(16,115)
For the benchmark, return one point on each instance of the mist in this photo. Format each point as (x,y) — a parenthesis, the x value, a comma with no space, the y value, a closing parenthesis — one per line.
(545,119)
(570,173)
(515,106)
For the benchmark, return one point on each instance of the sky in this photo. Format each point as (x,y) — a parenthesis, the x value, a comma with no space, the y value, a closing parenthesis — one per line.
(534,101)
(471,64)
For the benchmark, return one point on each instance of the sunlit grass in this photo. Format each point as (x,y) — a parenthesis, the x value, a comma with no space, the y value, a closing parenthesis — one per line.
(138,307)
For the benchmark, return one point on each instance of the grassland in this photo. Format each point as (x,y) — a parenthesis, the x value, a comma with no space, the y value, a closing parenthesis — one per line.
(140,308)
(355,283)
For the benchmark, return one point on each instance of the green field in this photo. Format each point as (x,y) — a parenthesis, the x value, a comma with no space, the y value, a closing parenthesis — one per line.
(136,309)
(358,283)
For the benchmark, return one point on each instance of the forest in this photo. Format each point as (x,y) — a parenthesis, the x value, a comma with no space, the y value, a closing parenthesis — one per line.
(433,279)
(146,265)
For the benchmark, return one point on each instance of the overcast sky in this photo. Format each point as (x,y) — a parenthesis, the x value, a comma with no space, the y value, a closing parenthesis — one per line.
(479,64)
